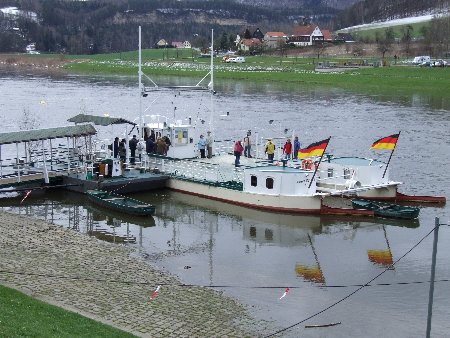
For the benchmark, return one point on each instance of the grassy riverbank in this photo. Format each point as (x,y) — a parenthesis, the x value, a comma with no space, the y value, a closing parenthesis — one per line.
(399,78)
(24,316)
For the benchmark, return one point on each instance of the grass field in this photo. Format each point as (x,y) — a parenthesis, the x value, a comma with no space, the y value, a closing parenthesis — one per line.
(370,34)
(24,316)
(401,78)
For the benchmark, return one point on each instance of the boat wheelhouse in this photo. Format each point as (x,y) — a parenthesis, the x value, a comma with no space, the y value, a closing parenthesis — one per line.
(355,175)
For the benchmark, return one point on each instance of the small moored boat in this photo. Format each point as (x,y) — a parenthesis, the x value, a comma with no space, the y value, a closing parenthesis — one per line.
(386,209)
(121,203)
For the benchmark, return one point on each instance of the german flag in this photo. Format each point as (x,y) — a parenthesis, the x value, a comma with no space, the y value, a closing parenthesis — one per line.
(386,142)
(314,149)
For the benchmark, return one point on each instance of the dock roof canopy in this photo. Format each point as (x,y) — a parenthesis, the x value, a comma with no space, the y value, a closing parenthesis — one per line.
(45,134)
(99,120)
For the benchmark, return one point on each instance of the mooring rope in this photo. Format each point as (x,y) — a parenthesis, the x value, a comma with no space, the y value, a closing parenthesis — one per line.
(206,286)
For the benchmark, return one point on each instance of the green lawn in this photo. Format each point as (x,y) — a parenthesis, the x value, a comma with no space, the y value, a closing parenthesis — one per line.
(371,34)
(398,78)
(401,78)
(24,316)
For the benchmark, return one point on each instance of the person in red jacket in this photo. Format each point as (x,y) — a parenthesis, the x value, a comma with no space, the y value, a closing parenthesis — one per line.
(238,152)
(287,149)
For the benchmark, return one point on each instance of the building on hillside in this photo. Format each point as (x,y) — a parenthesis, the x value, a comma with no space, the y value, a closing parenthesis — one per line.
(273,39)
(179,44)
(326,35)
(306,36)
(31,48)
(344,37)
(249,45)
(255,33)
(162,44)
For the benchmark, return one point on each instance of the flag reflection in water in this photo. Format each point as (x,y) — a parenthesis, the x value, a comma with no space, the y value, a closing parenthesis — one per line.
(310,273)
(382,257)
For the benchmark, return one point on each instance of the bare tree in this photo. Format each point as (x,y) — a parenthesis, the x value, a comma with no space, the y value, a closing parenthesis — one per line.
(407,37)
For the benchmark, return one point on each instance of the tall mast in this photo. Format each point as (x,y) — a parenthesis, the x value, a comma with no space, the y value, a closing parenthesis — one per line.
(141,130)
(211,122)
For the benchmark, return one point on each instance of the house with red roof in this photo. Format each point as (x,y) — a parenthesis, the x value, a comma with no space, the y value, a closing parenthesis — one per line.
(326,35)
(306,36)
(273,39)
(248,45)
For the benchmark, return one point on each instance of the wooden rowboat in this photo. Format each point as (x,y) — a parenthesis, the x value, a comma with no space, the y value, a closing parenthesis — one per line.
(120,203)
(386,209)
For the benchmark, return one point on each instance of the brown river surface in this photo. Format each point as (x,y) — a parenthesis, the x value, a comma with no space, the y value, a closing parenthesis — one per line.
(252,255)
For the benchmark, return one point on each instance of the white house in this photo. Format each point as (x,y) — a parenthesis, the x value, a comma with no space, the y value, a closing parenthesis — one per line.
(306,36)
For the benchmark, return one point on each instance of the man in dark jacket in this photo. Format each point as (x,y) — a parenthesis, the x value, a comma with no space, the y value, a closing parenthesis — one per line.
(149,146)
(133,144)
(115,147)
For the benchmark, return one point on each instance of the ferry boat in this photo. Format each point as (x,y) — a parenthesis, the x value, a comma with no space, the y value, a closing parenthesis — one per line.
(284,186)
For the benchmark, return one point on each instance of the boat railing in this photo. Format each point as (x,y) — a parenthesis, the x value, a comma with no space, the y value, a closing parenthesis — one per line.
(38,163)
(198,170)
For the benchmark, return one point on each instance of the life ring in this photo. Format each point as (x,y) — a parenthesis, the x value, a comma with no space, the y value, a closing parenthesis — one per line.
(307,164)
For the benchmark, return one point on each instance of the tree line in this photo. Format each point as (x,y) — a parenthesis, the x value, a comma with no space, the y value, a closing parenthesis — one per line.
(98,26)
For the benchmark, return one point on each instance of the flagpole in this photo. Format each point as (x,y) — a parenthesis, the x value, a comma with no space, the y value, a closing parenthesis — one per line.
(312,179)
(391,155)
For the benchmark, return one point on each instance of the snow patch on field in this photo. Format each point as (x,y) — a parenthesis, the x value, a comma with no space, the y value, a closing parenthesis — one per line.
(396,22)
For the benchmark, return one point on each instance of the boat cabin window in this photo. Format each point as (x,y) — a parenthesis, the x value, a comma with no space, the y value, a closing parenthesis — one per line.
(181,136)
(346,173)
(269,183)
(253,180)
(330,172)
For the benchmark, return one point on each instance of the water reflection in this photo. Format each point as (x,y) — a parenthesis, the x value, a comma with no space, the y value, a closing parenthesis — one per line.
(312,273)
(382,257)
(76,212)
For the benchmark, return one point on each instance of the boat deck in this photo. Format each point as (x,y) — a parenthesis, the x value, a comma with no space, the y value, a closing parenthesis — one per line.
(132,181)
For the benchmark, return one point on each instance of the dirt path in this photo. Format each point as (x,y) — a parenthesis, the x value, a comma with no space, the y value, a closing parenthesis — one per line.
(105,282)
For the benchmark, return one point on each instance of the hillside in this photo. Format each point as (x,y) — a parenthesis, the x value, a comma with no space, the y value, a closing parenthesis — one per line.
(97,26)
(365,12)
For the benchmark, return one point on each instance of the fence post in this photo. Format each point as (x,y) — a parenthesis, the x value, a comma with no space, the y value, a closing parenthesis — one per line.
(433,271)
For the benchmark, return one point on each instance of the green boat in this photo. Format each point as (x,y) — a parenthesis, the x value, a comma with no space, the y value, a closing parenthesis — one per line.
(386,209)
(121,203)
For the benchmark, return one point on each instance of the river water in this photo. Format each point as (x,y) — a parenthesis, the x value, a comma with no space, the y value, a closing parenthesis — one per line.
(252,255)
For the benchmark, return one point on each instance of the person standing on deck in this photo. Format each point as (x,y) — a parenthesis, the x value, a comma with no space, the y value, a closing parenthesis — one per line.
(238,152)
(202,146)
(247,145)
(168,143)
(209,144)
(270,150)
(152,136)
(133,145)
(115,147)
(296,148)
(287,149)
(149,146)
(161,146)
(123,150)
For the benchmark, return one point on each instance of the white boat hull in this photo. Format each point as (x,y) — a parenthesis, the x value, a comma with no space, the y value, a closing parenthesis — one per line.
(274,203)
